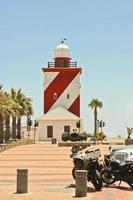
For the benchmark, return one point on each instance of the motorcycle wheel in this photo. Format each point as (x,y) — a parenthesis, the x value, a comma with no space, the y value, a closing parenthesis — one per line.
(97,180)
(107,176)
(73,172)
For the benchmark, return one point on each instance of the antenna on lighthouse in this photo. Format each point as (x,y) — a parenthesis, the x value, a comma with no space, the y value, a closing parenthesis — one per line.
(62,41)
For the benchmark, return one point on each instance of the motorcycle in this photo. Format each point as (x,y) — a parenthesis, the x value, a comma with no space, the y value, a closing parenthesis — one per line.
(116,171)
(91,165)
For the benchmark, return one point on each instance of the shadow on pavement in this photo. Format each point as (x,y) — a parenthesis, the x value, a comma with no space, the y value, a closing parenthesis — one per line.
(89,189)
(126,188)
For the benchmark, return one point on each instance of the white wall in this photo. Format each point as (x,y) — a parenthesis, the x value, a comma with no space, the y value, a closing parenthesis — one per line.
(58,128)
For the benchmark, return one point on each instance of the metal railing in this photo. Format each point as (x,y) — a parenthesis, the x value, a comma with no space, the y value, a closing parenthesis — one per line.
(71,64)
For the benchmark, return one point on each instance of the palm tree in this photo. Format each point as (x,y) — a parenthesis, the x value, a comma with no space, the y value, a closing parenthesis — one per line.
(129,132)
(29,113)
(25,109)
(1,114)
(15,109)
(21,99)
(95,104)
(5,109)
(14,105)
(7,116)
(10,104)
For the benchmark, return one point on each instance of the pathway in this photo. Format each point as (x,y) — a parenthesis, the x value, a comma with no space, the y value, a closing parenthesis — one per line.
(49,168)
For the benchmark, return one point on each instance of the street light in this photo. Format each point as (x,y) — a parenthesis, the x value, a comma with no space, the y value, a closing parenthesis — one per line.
(101,125)
(98,125)
(35,126)
(29,124)
(78,125)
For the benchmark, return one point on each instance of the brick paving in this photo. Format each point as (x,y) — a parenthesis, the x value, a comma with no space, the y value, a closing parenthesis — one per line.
(49,168)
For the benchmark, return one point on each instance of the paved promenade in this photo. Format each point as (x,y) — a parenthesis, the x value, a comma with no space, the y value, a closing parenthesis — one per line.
(49,168)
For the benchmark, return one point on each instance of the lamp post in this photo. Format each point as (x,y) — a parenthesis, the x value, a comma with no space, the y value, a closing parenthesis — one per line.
(78,125)
(29,124)
(35,126)
(101,125)
(34,134)
(98,125)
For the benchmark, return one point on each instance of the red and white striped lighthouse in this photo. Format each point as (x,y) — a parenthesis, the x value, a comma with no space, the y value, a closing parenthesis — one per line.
(62,82)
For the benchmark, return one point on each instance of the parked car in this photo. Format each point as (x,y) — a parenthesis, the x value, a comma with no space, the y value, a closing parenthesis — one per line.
(121,147)
(74,136)
(122,153)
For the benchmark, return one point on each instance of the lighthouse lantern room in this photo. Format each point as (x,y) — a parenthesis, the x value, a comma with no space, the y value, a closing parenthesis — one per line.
(61,95)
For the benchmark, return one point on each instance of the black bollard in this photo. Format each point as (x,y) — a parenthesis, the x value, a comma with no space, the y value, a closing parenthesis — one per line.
(81,183)
(22,180)
(54,141)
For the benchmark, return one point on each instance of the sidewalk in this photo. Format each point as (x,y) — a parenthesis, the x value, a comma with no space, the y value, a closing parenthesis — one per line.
(49,168)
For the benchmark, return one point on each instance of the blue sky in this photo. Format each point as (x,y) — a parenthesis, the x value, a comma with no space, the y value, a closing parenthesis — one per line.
(100,36)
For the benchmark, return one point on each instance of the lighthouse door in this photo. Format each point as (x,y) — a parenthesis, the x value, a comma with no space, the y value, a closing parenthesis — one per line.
(49,131)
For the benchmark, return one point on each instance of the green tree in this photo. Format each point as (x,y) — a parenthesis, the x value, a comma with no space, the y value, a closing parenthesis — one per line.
(13,105)
(8,112)
(15,113)
(95,104)
(23,107)
(100,136)
(129,132)
(6,105)
(1,114)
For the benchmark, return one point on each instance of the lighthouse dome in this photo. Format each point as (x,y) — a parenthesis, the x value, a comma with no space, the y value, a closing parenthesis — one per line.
(62,50)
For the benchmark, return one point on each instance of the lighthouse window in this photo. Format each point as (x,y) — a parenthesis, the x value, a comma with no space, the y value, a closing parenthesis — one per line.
(55,95)
(68,96)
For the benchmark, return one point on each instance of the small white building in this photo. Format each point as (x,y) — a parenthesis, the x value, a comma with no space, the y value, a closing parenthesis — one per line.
(55,122)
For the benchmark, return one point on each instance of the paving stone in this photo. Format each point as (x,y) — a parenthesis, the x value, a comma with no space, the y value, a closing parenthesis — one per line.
(49,168)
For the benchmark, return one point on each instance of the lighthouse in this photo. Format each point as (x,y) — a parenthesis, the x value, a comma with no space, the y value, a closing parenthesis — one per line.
(61,95)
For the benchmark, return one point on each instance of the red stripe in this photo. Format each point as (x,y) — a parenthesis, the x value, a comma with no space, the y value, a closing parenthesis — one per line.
(75,107)
(62,70)
(58,85)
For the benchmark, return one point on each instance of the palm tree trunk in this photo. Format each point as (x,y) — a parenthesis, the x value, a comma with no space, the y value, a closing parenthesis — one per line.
(95,122)
(14,127)
(19,128)
(1,128)
(7,131)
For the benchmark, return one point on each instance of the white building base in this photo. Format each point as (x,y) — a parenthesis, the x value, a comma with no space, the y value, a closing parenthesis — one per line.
(55,122)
